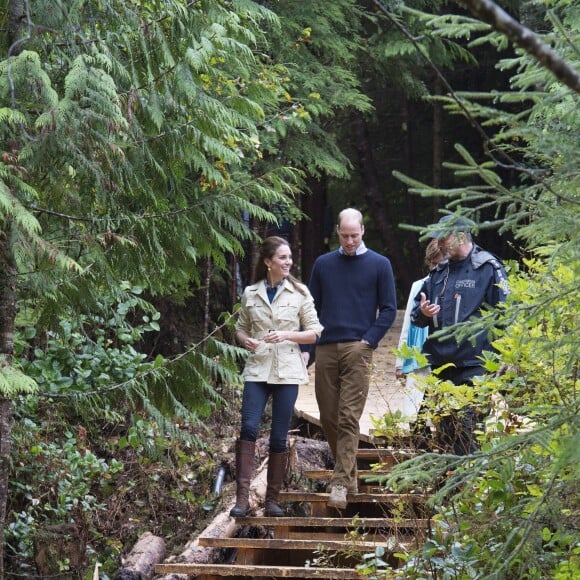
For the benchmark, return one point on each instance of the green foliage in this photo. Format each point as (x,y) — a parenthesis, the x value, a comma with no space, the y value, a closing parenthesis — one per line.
(508,511)
(60,479)
(14,382)
(133,137)
(136,153)
(98,397)
(497,511)
(138,137)
(87,354)
(317,50)
(90,366)
(403,37)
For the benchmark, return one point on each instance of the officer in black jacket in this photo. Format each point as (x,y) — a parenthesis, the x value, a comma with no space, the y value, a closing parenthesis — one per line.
(454,292)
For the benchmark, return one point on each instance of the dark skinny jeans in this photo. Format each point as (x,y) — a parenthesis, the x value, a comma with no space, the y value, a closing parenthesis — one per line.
(254,401)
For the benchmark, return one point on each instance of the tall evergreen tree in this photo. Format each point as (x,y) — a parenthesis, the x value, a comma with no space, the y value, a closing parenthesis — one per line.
(507,511)
(131,152)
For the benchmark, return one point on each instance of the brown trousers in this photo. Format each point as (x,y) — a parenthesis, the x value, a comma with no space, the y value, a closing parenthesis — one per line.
(342,384)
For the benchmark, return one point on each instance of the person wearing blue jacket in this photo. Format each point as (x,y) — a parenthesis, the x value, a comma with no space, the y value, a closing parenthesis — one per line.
(456,291)
(354,294)
(408,369)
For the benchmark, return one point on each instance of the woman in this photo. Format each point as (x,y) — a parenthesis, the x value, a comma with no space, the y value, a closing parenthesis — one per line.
(277,314)
(413,336)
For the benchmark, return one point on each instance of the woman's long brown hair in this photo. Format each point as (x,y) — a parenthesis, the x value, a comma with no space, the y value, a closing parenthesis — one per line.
(268,248)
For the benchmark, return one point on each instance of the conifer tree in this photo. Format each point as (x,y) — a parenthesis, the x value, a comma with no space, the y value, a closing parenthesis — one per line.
(131,152)
(507,510)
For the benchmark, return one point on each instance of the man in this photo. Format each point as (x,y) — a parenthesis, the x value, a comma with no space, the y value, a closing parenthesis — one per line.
(455,291)
(354,294)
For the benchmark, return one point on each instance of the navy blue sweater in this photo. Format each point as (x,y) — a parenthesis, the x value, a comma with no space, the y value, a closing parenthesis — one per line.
(354,296)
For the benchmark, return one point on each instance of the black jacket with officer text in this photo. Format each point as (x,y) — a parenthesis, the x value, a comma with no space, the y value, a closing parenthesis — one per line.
(460,288)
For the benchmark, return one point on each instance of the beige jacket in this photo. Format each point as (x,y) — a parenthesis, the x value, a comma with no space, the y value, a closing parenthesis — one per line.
(290,310)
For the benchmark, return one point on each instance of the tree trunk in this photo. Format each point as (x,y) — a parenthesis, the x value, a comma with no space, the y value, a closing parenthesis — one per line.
(376,202)
(437,137)
(56,544)
(296,243)
(7,317)
(410,250)
(316,231)
(16,15)
(207,297)
(253,255)
(15,25)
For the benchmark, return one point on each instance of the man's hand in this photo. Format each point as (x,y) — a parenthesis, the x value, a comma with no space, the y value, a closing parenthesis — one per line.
(428,309)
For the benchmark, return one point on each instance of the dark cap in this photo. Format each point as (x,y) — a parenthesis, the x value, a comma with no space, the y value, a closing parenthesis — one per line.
(450,224)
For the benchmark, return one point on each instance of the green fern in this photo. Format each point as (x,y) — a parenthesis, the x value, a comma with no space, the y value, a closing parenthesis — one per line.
(14,382)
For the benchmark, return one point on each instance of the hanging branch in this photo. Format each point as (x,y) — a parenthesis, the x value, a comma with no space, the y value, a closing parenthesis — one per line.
(490,147)
(499,20)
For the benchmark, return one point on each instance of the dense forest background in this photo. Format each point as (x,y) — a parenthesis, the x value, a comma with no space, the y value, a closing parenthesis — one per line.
(146,147)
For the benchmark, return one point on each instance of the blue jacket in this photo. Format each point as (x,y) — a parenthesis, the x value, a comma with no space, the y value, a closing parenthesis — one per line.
(411,335)
(461,288)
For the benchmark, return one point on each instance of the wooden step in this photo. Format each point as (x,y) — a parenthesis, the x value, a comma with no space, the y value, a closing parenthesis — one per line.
(386,455)
(327,473)
(379,498)
(245,570)
(328,528)
(350,523)
(391,544)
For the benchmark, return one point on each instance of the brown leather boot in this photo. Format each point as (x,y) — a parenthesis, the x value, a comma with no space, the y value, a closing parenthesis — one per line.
(244,469)
(277,463)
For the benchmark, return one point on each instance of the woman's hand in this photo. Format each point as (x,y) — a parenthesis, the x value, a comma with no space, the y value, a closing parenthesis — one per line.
(251,344)
(276,336)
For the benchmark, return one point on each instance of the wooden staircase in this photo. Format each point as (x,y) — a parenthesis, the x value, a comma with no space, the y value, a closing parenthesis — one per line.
(319,542)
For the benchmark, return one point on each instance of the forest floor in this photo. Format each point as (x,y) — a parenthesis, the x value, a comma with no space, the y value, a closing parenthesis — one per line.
(178,505)
(171,495)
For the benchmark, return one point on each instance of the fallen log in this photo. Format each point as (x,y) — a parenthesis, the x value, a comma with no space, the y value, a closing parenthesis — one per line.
(142,559)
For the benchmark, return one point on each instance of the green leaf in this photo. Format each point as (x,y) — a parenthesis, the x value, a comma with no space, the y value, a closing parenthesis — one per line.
(14,382)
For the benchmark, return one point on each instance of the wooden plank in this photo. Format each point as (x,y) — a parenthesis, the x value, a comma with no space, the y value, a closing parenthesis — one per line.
(353,523)
(375,537)
(386,455)
(391,544)
(327,473)
(224,570)
(381,498)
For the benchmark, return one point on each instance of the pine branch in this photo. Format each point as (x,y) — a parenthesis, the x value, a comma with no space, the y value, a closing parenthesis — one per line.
(501,21)
(492,150)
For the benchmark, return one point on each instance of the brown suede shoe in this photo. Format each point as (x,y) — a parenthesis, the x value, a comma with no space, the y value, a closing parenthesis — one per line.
(337,497)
